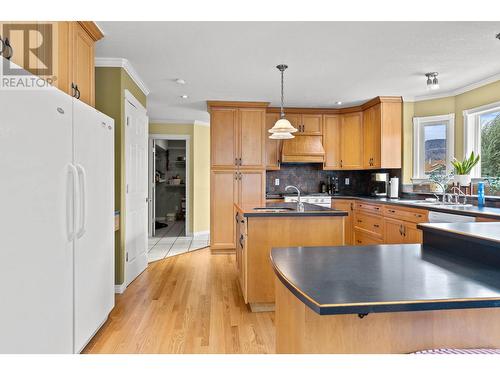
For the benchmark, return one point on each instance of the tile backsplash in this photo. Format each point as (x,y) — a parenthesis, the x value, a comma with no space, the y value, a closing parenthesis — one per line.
(308,178)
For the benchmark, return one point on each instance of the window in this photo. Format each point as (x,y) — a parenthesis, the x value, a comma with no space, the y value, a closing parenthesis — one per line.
(432,145)
(482,135)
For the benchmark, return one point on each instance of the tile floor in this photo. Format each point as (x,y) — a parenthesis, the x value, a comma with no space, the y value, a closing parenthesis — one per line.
(172,241)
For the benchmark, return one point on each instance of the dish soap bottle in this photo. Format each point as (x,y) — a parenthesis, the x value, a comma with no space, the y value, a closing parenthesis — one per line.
(480,194)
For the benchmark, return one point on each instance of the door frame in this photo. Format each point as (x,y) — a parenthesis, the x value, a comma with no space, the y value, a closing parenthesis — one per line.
(175,137)
(128,96)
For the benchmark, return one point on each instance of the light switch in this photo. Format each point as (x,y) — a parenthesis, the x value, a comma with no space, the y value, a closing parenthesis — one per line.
(347,181)
(276,182)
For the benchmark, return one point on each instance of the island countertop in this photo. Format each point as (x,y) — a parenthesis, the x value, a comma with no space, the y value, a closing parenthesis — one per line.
(384,278)
(286,209)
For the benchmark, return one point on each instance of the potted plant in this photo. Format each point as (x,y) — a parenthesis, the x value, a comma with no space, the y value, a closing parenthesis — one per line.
(463,168)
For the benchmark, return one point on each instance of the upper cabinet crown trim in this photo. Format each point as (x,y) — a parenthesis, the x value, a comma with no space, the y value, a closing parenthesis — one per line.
(117,62)
(334,111)
(92,29)
(236,104)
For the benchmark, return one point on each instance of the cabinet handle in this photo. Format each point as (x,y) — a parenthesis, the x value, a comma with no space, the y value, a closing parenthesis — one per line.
(376,225)
(241,163)
(235,161)
(400,230)
(240,176)
(236,176)
(340,163)
(359,221)
(358,241)
(418,215)
(236,217)
(352,206)
(6,46)
(392,211)
(241,242)
(404,230)
(377,208)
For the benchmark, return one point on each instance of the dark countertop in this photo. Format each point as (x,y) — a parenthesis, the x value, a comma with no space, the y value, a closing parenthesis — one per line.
(487,212)
(484,232)
(309,210)
(384,278)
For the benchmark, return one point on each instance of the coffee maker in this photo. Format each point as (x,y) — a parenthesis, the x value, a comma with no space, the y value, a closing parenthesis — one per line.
(379,184)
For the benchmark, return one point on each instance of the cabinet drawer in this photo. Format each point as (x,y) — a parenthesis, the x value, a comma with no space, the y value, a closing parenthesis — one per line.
(413,215)
(362,238)
(370,223)
(369,207)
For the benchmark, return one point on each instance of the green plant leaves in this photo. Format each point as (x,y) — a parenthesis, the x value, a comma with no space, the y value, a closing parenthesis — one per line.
(465,166)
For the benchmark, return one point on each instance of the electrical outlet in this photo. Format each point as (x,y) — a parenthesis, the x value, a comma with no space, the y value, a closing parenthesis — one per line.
(276,182)
(347,181)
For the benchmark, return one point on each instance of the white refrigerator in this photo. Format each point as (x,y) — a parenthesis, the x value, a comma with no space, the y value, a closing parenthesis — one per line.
(56,221)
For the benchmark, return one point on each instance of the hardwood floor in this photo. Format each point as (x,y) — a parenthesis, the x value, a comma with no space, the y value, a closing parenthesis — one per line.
(190,303)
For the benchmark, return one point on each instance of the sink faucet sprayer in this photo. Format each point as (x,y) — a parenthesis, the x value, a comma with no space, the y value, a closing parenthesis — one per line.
(300,205)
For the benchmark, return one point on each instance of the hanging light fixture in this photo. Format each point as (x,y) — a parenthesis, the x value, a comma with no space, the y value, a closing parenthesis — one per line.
(282,129)
(432,81)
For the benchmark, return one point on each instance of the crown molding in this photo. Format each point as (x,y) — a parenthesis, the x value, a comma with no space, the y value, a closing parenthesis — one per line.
(460,90)
(117,62)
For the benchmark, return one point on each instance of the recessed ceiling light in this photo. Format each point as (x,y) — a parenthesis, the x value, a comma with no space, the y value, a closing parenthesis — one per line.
(338,103)
(184,96)
(180,81)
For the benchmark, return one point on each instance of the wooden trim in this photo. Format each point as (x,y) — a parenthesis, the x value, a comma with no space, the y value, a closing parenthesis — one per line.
(92,29)
(334,111)
(222,103)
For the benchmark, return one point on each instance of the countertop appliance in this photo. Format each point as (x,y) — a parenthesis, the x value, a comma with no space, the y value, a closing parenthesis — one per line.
(57,220)
(379,184)
(323,200)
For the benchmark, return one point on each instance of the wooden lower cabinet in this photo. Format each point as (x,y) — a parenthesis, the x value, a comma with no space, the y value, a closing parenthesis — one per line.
(362,238)
(227,188)
(241,246)
(348,206)
(401,232)
(373,224)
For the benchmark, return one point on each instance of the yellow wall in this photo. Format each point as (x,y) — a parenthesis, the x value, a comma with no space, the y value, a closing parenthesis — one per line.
(110,86)
(199,170)
(454,104)
(201,218)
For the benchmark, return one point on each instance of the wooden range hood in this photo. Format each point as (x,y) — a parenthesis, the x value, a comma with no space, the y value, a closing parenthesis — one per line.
(303,149)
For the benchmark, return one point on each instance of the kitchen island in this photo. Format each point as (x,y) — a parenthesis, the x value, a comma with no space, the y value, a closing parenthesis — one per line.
(385,298)
(277,225)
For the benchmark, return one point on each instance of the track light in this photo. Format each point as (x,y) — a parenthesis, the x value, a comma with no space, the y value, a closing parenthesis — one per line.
(432,81)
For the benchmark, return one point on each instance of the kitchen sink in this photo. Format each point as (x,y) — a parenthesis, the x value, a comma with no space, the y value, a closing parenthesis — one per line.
(274,209)
(435,203)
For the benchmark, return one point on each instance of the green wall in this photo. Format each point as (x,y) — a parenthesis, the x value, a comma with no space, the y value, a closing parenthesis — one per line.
(483,95)
(110,86)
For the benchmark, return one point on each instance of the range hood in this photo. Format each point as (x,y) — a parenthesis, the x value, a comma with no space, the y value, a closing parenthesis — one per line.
(303,149)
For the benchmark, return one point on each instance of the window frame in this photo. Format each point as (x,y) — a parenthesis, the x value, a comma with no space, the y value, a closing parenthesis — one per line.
(418,140)
(472,133)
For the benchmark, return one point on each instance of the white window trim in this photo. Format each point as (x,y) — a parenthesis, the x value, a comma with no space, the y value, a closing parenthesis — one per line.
(471,131)
(418,135)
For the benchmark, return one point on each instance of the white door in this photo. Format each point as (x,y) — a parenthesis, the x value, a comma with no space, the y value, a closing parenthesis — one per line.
(94,242)
(152,188)
(136,177)
(37,190)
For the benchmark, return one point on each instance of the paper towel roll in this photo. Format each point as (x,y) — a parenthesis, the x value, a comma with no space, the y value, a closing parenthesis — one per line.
(394,187)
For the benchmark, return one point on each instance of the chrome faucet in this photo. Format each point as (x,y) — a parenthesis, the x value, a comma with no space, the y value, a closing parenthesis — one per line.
(457,192)
(300,205)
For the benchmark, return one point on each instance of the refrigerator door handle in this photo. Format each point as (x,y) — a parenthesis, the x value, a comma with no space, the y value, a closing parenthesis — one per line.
(82,176)
(71,204)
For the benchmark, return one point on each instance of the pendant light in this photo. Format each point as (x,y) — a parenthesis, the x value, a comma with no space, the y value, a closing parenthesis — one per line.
(282,129)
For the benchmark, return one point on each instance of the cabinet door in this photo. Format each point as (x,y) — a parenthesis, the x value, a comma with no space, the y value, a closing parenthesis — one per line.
(252,123)
(362,239)
(393,231)
(223,196)
(331,141)
(312,124)
(82,63)
(252,187)
(411,234)
(223,137)
(371,137)
(348,206)
(295,119)
(352,141)
(273,146)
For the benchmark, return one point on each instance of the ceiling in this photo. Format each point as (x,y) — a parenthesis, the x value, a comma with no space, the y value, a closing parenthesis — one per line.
(328,62)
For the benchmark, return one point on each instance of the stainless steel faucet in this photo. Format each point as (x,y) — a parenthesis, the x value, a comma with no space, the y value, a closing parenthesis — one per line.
(300,205)
(457,192)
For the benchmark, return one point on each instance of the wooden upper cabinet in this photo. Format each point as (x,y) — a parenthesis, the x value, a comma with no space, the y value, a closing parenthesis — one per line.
(351,143)
(306,124)
(273,146)
(83,63)
(251,142)
(312,124)
(224,137)
(331,141)
(382,125)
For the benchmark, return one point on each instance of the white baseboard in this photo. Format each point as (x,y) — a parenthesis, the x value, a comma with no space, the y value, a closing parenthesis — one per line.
(119,289)
(200,234)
